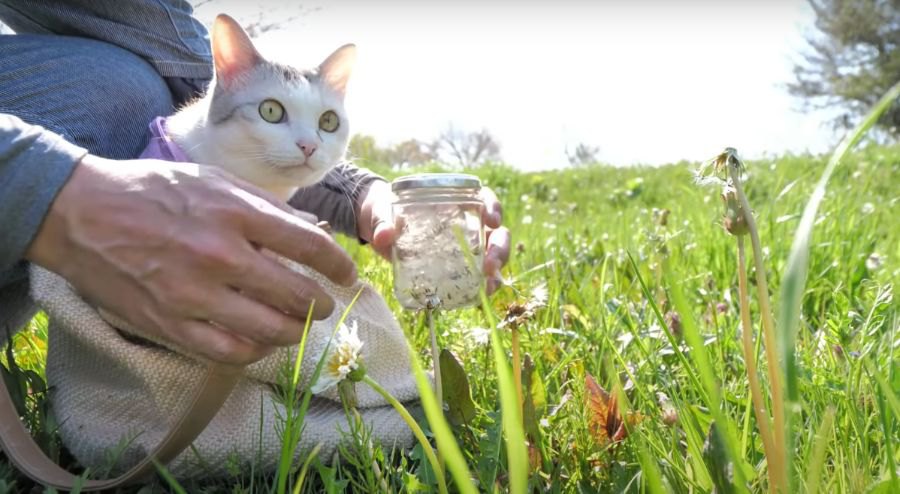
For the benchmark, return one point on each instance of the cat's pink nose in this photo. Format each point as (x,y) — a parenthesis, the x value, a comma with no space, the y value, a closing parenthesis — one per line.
(307,148)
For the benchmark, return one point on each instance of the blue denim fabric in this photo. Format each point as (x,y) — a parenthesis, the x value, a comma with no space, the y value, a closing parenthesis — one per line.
(94,95)
(163,32)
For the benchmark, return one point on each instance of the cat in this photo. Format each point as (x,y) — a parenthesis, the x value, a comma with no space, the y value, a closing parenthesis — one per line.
(272,125)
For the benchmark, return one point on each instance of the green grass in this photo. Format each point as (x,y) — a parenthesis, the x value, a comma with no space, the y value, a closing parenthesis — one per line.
(576,232)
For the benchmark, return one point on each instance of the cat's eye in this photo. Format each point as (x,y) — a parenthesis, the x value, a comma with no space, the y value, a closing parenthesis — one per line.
(271,111)
(329,121)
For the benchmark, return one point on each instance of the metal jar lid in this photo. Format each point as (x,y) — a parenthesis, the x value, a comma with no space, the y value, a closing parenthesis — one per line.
(436,180)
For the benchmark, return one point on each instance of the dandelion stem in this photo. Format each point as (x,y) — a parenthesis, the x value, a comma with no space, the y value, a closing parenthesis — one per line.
(765,308)
(517,368)
(436,357)
(417,431)
(759,406)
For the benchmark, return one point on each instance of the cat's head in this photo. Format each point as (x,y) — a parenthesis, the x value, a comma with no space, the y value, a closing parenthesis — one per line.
(275,125)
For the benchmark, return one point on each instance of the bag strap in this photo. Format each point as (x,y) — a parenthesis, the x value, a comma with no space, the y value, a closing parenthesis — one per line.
(215,387)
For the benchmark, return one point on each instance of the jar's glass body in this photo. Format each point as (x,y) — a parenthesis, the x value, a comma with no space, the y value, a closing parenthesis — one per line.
(439,250)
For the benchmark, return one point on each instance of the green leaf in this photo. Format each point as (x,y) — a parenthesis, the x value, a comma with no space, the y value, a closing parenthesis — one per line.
(715,455)
(489,451)
(15,382)
(446,442)
(455,387)
(534,387)
(886,486)
(424,472)
(535,400)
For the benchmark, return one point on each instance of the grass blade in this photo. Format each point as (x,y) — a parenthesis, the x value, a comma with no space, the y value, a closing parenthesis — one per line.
(303,470)
(817,457)
(516,453)
(793,284)
(446,442)
(706,372)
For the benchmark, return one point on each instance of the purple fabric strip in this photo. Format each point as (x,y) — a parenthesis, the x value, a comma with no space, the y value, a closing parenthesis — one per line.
(161,146)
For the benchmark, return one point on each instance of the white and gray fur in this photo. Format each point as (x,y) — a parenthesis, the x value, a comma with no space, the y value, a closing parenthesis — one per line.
(225,128)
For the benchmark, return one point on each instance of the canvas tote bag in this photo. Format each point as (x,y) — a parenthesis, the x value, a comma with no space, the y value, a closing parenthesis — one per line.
(121,396)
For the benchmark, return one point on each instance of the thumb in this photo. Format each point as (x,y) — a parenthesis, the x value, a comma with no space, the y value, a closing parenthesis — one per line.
(383,237)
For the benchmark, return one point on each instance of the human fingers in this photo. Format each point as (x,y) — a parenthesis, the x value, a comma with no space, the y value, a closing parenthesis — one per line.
(492,214)
(250,319)
(270,282)
(375,217)
(383,238)
(300,241)
(218,344)
(259,192)
(496,256)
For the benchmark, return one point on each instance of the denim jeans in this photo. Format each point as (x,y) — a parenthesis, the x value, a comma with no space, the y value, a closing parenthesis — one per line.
(96,95)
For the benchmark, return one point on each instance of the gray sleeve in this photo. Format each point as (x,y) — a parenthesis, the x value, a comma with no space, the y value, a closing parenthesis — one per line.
(335,199)
(34,164)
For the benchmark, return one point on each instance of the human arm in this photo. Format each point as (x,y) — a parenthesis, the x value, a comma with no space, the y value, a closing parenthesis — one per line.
(175,249)
(337,197)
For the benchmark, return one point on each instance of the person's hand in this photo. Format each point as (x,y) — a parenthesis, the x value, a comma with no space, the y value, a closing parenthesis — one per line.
(178,250)
(376,227)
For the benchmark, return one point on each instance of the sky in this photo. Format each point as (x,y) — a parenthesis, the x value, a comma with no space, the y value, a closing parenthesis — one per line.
(647,82)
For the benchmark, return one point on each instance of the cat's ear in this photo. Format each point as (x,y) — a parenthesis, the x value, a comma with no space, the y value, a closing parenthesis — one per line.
(335,70)
(233,52)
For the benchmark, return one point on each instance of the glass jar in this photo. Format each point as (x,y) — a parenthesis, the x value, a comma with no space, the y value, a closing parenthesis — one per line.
(439,250)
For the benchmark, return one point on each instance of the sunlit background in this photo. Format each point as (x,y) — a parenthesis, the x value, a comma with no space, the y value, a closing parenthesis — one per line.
(643,82)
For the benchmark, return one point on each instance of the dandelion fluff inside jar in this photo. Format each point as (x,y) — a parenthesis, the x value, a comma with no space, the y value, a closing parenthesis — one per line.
(439,249)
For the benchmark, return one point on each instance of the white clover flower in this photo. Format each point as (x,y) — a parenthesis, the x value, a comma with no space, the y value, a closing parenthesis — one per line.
(868,208)
(874,262)
(345,358)
(527,219)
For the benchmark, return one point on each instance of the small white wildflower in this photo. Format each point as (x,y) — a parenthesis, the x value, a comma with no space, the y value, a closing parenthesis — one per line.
(344,359)
(479,336)
(868,208)
(874,262)
(524,198)
(539,296)
(527,219)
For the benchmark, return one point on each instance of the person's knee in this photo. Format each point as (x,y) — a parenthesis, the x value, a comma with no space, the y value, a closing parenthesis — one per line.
(134,94)
(96,95)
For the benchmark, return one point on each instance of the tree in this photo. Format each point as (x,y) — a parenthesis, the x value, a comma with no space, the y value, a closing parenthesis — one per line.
(410,153)
(468,148)
(583,155)
(265,20)
(852,59)
(363,150)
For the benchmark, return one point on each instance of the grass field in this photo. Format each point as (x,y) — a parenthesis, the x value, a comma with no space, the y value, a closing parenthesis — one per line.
(650,309)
